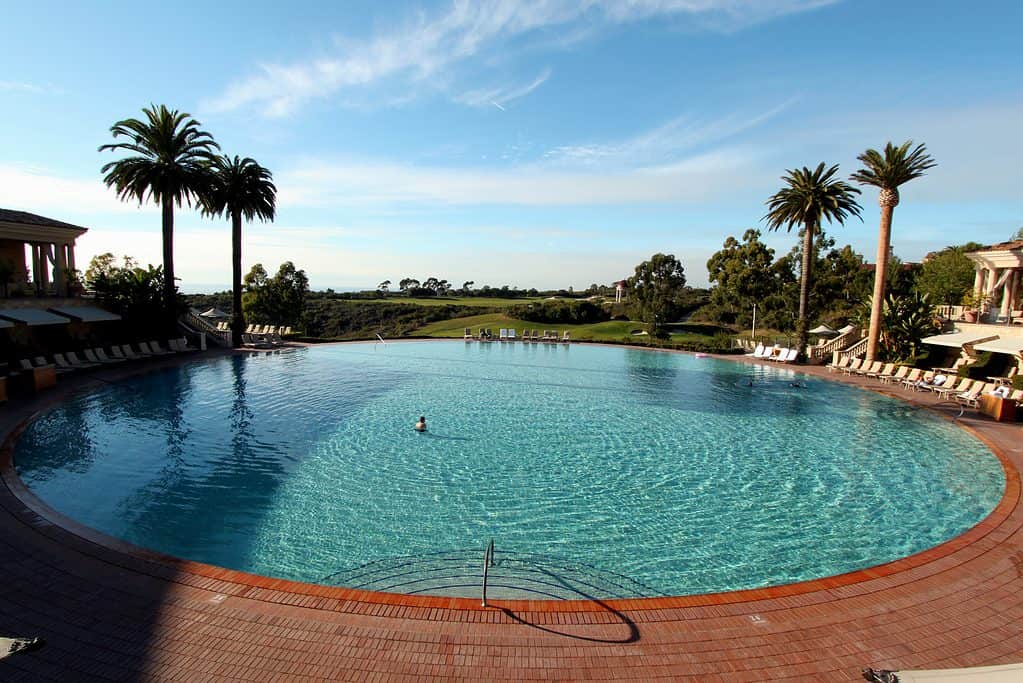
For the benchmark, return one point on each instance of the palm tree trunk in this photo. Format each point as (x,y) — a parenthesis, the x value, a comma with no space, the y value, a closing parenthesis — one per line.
(169,298)
(238,321)
(802,326)
(880,279)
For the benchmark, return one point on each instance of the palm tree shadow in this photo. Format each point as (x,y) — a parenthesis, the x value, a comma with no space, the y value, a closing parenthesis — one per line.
(632,637)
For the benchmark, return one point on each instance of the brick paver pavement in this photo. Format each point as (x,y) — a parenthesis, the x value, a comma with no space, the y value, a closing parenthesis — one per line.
(109,611)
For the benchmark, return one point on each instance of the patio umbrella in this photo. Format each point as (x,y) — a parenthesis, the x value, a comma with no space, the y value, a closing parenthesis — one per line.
(214,313)
(847,329)
(823,331)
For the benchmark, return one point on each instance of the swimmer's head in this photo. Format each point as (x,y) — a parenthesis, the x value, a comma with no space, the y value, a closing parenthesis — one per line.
(422,418)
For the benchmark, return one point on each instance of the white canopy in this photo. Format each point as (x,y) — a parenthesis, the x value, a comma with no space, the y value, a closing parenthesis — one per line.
(823,330)
(33,316)
(214,313)
(1010,345)
(957,339)
(847,329)
(88,314)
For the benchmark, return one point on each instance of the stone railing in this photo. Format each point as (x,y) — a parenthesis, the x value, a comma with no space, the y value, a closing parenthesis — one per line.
(218,337)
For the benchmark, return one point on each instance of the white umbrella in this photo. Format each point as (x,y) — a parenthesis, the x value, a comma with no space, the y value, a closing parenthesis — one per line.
(847,329)
(823,330)
(214,313)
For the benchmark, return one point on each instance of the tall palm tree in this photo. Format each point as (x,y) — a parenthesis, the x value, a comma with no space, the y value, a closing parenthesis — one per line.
(171,153)
(239,188)
(897,166)
(808,197)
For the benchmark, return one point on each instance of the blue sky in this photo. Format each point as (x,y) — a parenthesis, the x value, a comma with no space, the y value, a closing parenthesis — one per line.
(546,144)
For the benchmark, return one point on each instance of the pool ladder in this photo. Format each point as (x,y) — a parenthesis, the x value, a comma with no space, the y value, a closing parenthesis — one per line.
(488,562)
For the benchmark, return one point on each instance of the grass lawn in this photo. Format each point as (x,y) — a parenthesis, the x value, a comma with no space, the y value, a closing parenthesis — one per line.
(613,330)
(482,302)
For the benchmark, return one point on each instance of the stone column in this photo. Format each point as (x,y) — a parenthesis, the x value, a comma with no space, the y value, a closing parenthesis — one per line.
(60,273)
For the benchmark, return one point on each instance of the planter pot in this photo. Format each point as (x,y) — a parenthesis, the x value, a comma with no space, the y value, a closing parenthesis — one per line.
(970,316)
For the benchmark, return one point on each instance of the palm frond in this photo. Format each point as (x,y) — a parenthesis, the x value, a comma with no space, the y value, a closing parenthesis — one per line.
(896,166)
(809,197)
(240,186)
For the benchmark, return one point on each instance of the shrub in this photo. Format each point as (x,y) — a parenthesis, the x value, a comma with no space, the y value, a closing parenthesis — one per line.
(560,312)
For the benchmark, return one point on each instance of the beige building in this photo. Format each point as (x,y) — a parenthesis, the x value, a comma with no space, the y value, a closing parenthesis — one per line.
(50,245)
(998,281)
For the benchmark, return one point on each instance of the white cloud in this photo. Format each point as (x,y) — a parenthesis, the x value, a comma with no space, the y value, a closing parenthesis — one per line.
(662,144)
(425,46)
(501,96)
(323,184)
(39,190)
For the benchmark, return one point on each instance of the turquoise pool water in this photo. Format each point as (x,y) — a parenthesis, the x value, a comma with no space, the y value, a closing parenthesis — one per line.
(664,468)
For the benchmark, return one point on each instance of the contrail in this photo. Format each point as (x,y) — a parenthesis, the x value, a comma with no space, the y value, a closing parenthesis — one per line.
(497,105)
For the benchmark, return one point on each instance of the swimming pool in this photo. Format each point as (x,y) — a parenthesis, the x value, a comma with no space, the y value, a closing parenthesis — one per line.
(668,470)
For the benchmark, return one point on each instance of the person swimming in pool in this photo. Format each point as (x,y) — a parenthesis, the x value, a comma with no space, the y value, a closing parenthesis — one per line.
(421,425)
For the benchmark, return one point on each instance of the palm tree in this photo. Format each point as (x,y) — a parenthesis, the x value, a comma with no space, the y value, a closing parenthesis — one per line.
(172,152)
(809,197)
(239,188)
(897,166)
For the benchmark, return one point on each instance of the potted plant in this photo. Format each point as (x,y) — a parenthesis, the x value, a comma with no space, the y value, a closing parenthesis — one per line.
(973,305)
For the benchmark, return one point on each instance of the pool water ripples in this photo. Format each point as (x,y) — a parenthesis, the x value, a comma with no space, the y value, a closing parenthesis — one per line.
(686,474)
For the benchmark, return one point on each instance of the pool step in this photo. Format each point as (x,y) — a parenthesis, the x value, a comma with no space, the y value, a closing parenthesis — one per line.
(514,576)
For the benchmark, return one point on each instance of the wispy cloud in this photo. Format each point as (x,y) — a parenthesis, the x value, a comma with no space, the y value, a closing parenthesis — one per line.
(501,96)
(17,86)
(39,190)
(664,144)
(424,46)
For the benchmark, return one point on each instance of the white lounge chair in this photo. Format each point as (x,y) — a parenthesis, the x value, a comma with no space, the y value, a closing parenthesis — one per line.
(789,356)
(757,351)
(564,338)
(131,354)
(153,348)
(78,362)
(511,334)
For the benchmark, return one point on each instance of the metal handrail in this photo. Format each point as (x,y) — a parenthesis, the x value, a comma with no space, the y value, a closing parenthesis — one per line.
(223,338)
(488,561)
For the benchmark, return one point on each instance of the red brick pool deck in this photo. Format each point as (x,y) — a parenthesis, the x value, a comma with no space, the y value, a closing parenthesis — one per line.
(108,611)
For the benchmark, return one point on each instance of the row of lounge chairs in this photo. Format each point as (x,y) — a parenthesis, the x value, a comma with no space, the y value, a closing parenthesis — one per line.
(508,335)
(962,390)
(776,353)
(281,330)
(69,361)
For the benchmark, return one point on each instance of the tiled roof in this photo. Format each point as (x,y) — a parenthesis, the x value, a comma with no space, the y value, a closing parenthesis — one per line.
(26,218)
(1002,246)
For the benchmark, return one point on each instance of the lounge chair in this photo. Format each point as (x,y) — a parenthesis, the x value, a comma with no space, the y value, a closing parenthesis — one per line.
(131,354)
(467,335)
(866,368)
(91,357)
(155,348)
(912,378)
(757,351)
(78,362)
(842,363)
(853,366)
(886,371)
(25,364)
(502,334)
(511,334)
(789,356)
(900,374)
(286,331)
(117,352)
(564,338)
(62,364)
(951,388)
(41,362)
(970,398)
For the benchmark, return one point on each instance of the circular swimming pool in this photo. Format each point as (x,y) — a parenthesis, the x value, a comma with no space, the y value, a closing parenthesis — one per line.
(677,474)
